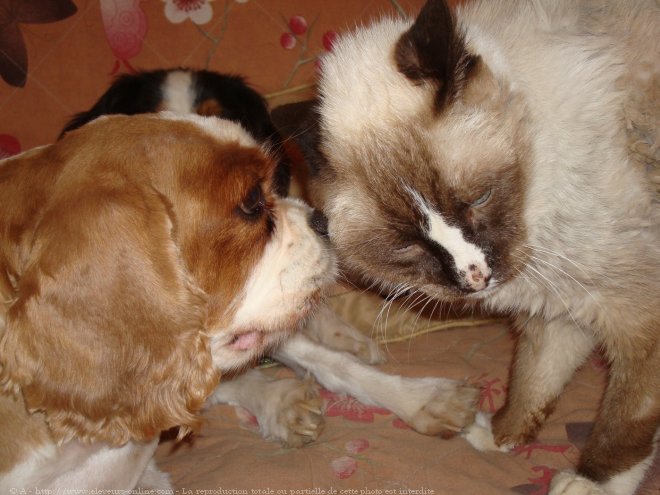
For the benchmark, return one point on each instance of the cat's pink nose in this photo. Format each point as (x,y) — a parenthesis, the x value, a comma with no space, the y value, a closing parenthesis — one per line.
(478,278)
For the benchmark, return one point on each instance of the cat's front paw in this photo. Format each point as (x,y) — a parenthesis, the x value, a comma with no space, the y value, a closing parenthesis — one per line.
(570,483)
(445,407)
(480,434)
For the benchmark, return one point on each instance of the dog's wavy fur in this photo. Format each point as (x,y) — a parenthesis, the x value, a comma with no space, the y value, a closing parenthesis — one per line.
(508,153)
(128,253)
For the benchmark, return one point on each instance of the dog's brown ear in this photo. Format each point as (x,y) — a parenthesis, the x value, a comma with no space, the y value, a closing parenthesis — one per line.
(432,51)
(105,334)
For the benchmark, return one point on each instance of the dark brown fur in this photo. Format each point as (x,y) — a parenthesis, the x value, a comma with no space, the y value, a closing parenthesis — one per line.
(110,293)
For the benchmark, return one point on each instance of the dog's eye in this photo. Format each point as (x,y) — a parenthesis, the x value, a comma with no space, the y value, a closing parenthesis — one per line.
(253,205)
(483,199)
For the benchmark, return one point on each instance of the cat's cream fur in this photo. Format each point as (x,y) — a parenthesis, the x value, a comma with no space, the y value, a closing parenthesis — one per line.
(507,153)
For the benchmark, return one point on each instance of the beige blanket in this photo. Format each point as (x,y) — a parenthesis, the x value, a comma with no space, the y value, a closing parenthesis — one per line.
(368,451)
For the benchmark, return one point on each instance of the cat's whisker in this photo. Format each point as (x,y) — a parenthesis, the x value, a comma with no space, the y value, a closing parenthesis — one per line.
(557,292)
(385,308)
(429,299)
(435,306)
(404,288)
(409,305)
(557,269)
(580,267)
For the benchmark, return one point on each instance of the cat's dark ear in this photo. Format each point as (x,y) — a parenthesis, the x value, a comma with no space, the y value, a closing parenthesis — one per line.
(432,51)
(300,123)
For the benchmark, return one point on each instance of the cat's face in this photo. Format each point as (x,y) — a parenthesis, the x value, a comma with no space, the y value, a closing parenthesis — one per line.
(419,158)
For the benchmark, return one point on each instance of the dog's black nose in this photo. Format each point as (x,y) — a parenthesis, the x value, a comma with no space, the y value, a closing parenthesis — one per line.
(319,223)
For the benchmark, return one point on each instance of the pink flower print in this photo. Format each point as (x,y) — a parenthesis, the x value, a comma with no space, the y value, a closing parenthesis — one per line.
(543,481)
(328,40)
(344,467)
(125,28)
(537,486)
(350,408)
(401,424)
(357,446)
(9,146)
(489,391)
(288,41)
(298,25)
(598,362)
(198,11)
(246,419)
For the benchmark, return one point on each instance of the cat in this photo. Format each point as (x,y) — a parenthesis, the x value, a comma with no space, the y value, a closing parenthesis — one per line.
(507,154)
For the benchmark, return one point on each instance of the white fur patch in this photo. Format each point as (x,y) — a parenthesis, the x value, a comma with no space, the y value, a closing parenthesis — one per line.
(178,94)
(84,467)
(221,129)
(28,469)
(569,483)
(470,260)
(627,482)
(480,434)
(295,265)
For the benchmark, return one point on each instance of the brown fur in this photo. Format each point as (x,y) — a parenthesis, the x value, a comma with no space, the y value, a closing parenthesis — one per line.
(15,447)
(209,108)
(107,289)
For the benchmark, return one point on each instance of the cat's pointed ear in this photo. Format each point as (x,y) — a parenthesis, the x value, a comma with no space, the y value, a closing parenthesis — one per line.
(432,51)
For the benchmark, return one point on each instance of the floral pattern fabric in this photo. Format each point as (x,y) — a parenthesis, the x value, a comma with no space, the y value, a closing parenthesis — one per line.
(366,450)
(62,54)
(13,14)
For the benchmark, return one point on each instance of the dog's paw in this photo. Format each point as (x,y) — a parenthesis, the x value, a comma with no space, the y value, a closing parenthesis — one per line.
(329,329)
(444,406)
(360,346)
(569,483)
(480,434)
(292,413)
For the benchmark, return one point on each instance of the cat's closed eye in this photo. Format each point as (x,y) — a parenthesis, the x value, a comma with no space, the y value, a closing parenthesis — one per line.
(483,199)
(409,251)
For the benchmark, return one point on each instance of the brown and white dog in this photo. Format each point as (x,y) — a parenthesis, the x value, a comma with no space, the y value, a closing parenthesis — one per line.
(508,154)
(140,258)
(290,410)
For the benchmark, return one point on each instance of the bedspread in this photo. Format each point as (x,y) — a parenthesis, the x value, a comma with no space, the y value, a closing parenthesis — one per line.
(366,450)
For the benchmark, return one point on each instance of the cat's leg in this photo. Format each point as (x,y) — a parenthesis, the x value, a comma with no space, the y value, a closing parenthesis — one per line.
(622,444)
(288,410)
(430,405)
(546,356)
(329,329)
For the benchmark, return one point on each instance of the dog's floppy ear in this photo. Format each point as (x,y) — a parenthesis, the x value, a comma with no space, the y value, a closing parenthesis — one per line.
(105,332)
(433,51)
